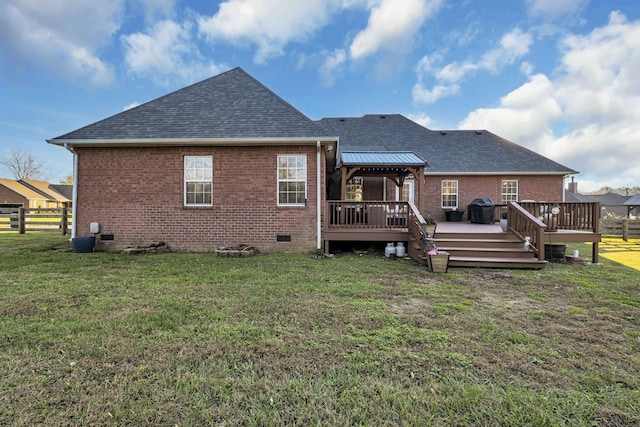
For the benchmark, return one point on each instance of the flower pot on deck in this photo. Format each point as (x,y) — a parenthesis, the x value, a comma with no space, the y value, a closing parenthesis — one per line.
(454,216)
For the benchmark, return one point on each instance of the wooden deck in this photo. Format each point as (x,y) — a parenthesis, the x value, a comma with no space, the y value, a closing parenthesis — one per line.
(469,244)
(559,236)
(486,245)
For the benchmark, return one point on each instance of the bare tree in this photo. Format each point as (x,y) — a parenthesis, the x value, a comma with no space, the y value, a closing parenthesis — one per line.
(23,165)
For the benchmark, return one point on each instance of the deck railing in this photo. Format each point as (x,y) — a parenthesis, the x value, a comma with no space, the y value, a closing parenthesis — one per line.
(524,224)
(570,216)
(368,214)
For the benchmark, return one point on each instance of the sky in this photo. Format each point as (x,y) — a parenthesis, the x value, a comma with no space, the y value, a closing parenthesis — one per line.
(559,77)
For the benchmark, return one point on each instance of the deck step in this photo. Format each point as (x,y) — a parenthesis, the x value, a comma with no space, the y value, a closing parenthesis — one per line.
(484,243)
(496,262)
(471,251)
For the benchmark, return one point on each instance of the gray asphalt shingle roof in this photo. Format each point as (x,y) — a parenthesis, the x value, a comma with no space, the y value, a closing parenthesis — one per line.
(457,151)
(607,199)
(230,105)
(633,201)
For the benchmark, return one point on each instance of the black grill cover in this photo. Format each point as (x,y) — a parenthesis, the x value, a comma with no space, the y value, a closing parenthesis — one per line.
(481,211)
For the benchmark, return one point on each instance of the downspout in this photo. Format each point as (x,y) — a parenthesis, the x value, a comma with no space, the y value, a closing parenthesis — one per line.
(319,196)
(74,198)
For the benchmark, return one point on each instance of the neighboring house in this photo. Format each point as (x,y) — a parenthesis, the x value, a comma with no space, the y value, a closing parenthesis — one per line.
(463,165)
(226,162)
(611,204)
(65,189)
(55,198)
(30,194)
(14,194)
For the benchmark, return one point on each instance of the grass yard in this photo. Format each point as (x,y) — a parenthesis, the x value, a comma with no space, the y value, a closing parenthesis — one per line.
(191,340)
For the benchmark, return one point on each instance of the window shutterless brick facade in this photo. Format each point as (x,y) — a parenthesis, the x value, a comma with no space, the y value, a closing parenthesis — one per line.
(137,195)
(539,188)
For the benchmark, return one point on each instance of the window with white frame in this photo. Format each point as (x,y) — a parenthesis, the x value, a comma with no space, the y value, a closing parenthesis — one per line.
(405,193)
(354,189)
(450,193)
(509,190)
(292,180)
(198,180)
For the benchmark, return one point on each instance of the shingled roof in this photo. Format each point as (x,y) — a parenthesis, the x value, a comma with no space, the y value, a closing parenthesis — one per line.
(231,105)
(448,152)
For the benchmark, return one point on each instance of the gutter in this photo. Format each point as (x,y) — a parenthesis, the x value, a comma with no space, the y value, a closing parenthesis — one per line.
(159,142)
(74,197)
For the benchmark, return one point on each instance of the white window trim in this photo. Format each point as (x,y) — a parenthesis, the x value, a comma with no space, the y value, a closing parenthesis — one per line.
(186,181)
(517,193)
(278,180)
(442,194)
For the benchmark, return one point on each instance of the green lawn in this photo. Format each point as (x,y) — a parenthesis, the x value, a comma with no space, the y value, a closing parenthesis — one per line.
(191,340)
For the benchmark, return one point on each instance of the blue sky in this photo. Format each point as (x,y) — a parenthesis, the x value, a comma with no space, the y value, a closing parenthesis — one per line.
(556,76)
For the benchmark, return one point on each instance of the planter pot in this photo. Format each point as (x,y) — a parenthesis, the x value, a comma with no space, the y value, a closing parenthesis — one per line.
(83,244)
(439,263)
(555,251)
(454,216)
(430,229)
(503,224)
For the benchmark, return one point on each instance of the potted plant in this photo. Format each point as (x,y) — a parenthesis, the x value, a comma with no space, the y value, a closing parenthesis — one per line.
(430,227)
(503,221)
(438,261)
(454,215)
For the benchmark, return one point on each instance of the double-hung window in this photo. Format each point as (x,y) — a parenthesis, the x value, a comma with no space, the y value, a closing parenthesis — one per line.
(450,193)
(292,180)
(509,190)
(198,180)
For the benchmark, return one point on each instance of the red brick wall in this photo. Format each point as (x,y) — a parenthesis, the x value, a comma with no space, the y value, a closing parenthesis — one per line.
(136,194)
(10,196)
(539,188)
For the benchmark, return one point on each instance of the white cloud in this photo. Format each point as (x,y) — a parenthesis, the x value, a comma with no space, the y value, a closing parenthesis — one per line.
(420,118)
(554,9)
(525,115)
(392,26)
(331,66)
(586,116)
(428,96)
(269,24)
(60,36)
(167,54)
(134,104)
(157,8)
(513,45)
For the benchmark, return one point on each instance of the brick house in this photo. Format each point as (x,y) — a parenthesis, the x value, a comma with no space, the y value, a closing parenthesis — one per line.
(463,164)
(226,161)
(29,193)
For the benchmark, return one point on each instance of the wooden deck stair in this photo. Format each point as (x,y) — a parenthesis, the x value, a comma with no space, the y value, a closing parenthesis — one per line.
(489,250)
